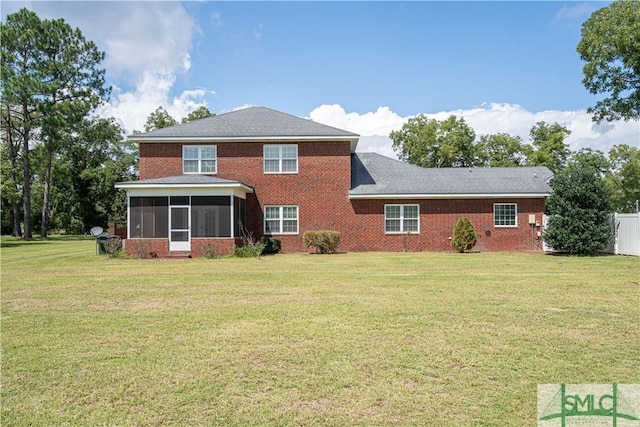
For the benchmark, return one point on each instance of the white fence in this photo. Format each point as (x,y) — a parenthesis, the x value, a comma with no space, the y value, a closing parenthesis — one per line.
(626,228)
(626,234)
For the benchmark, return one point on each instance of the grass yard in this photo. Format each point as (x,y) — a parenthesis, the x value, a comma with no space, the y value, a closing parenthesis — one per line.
(358,339)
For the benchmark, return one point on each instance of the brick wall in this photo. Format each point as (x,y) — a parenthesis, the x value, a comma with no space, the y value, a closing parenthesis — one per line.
(320,190)
(437,219)
(159,248)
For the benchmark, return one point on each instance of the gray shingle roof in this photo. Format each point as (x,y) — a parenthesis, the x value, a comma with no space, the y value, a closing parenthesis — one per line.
(375,175)
(252,122)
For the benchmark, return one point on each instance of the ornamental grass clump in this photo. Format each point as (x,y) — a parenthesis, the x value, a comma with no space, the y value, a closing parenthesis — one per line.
(464,237)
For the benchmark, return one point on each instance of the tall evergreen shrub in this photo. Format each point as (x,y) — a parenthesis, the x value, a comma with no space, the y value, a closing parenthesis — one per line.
(464,237)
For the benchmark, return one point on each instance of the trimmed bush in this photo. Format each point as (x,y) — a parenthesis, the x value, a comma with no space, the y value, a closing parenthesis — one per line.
(464,237)
(112,245)
(324,241)
(272,245)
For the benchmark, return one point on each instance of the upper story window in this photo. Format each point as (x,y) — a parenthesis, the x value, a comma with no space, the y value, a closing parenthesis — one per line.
(401,218)
(280,158)
(199,159)
(505,215)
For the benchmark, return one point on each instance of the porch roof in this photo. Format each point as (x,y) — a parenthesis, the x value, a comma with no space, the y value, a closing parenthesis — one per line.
(185,181)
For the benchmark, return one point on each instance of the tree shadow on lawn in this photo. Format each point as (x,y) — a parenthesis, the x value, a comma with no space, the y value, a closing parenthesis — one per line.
(12,242)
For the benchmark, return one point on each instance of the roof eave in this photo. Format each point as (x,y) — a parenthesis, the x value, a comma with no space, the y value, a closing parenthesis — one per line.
(135,184)
(353,140)
(449,196)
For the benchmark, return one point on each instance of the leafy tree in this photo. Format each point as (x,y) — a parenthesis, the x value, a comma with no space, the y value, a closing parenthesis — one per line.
(92,161)
(625,177)
(464,236)
(197,114)
(610,46)
(550,150)
(159,119)
(431,143)
(502,150)
(579,208)
(50,80)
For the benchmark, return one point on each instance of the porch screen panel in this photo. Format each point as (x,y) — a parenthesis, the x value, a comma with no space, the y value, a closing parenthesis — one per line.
(149,217)
(239,212)
(211,216)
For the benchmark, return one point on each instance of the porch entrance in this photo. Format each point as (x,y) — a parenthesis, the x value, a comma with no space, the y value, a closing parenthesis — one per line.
(179,235)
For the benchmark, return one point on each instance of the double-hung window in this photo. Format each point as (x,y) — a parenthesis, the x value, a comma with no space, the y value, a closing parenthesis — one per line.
(401,219)
(281,220)
(280,158)
(199,159)
(505,215)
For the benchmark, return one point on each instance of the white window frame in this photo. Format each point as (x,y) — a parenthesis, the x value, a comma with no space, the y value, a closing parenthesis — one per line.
(200,159)
(281,150)
(402,219)
(281,219)
(515,220)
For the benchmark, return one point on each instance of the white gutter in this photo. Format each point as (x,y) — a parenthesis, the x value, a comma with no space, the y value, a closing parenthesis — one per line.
(131,185)
(448,196)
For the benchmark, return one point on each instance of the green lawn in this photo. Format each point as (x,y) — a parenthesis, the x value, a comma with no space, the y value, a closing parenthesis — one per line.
(384,339)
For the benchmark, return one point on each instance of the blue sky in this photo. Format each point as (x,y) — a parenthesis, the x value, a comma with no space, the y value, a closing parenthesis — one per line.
(414,57)
(361,66)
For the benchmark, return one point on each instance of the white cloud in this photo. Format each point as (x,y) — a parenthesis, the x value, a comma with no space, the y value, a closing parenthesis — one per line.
(132,108)
(216,19)
(147,46)
(374,127)
(575,12)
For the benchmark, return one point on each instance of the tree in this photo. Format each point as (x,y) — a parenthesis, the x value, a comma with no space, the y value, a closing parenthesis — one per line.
(72,86)
(20,87)
(625,177)
(50,80)
(10,170)
(464,236)
(579,208)
(502,150)
(92,161)
(197,114)
(610,46)
(550,150)
(433,144)
(159,119)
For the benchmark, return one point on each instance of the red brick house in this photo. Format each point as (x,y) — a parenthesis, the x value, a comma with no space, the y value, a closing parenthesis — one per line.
(263,172)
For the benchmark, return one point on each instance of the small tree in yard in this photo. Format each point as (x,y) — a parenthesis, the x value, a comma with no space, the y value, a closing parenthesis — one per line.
(464,237)
(579,209)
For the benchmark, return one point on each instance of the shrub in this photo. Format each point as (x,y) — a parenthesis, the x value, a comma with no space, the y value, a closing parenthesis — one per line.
(324,241)
(209,250)
(578,209)
(112,245)
(464,237)
(141,248)
(272,245)
(250,247)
